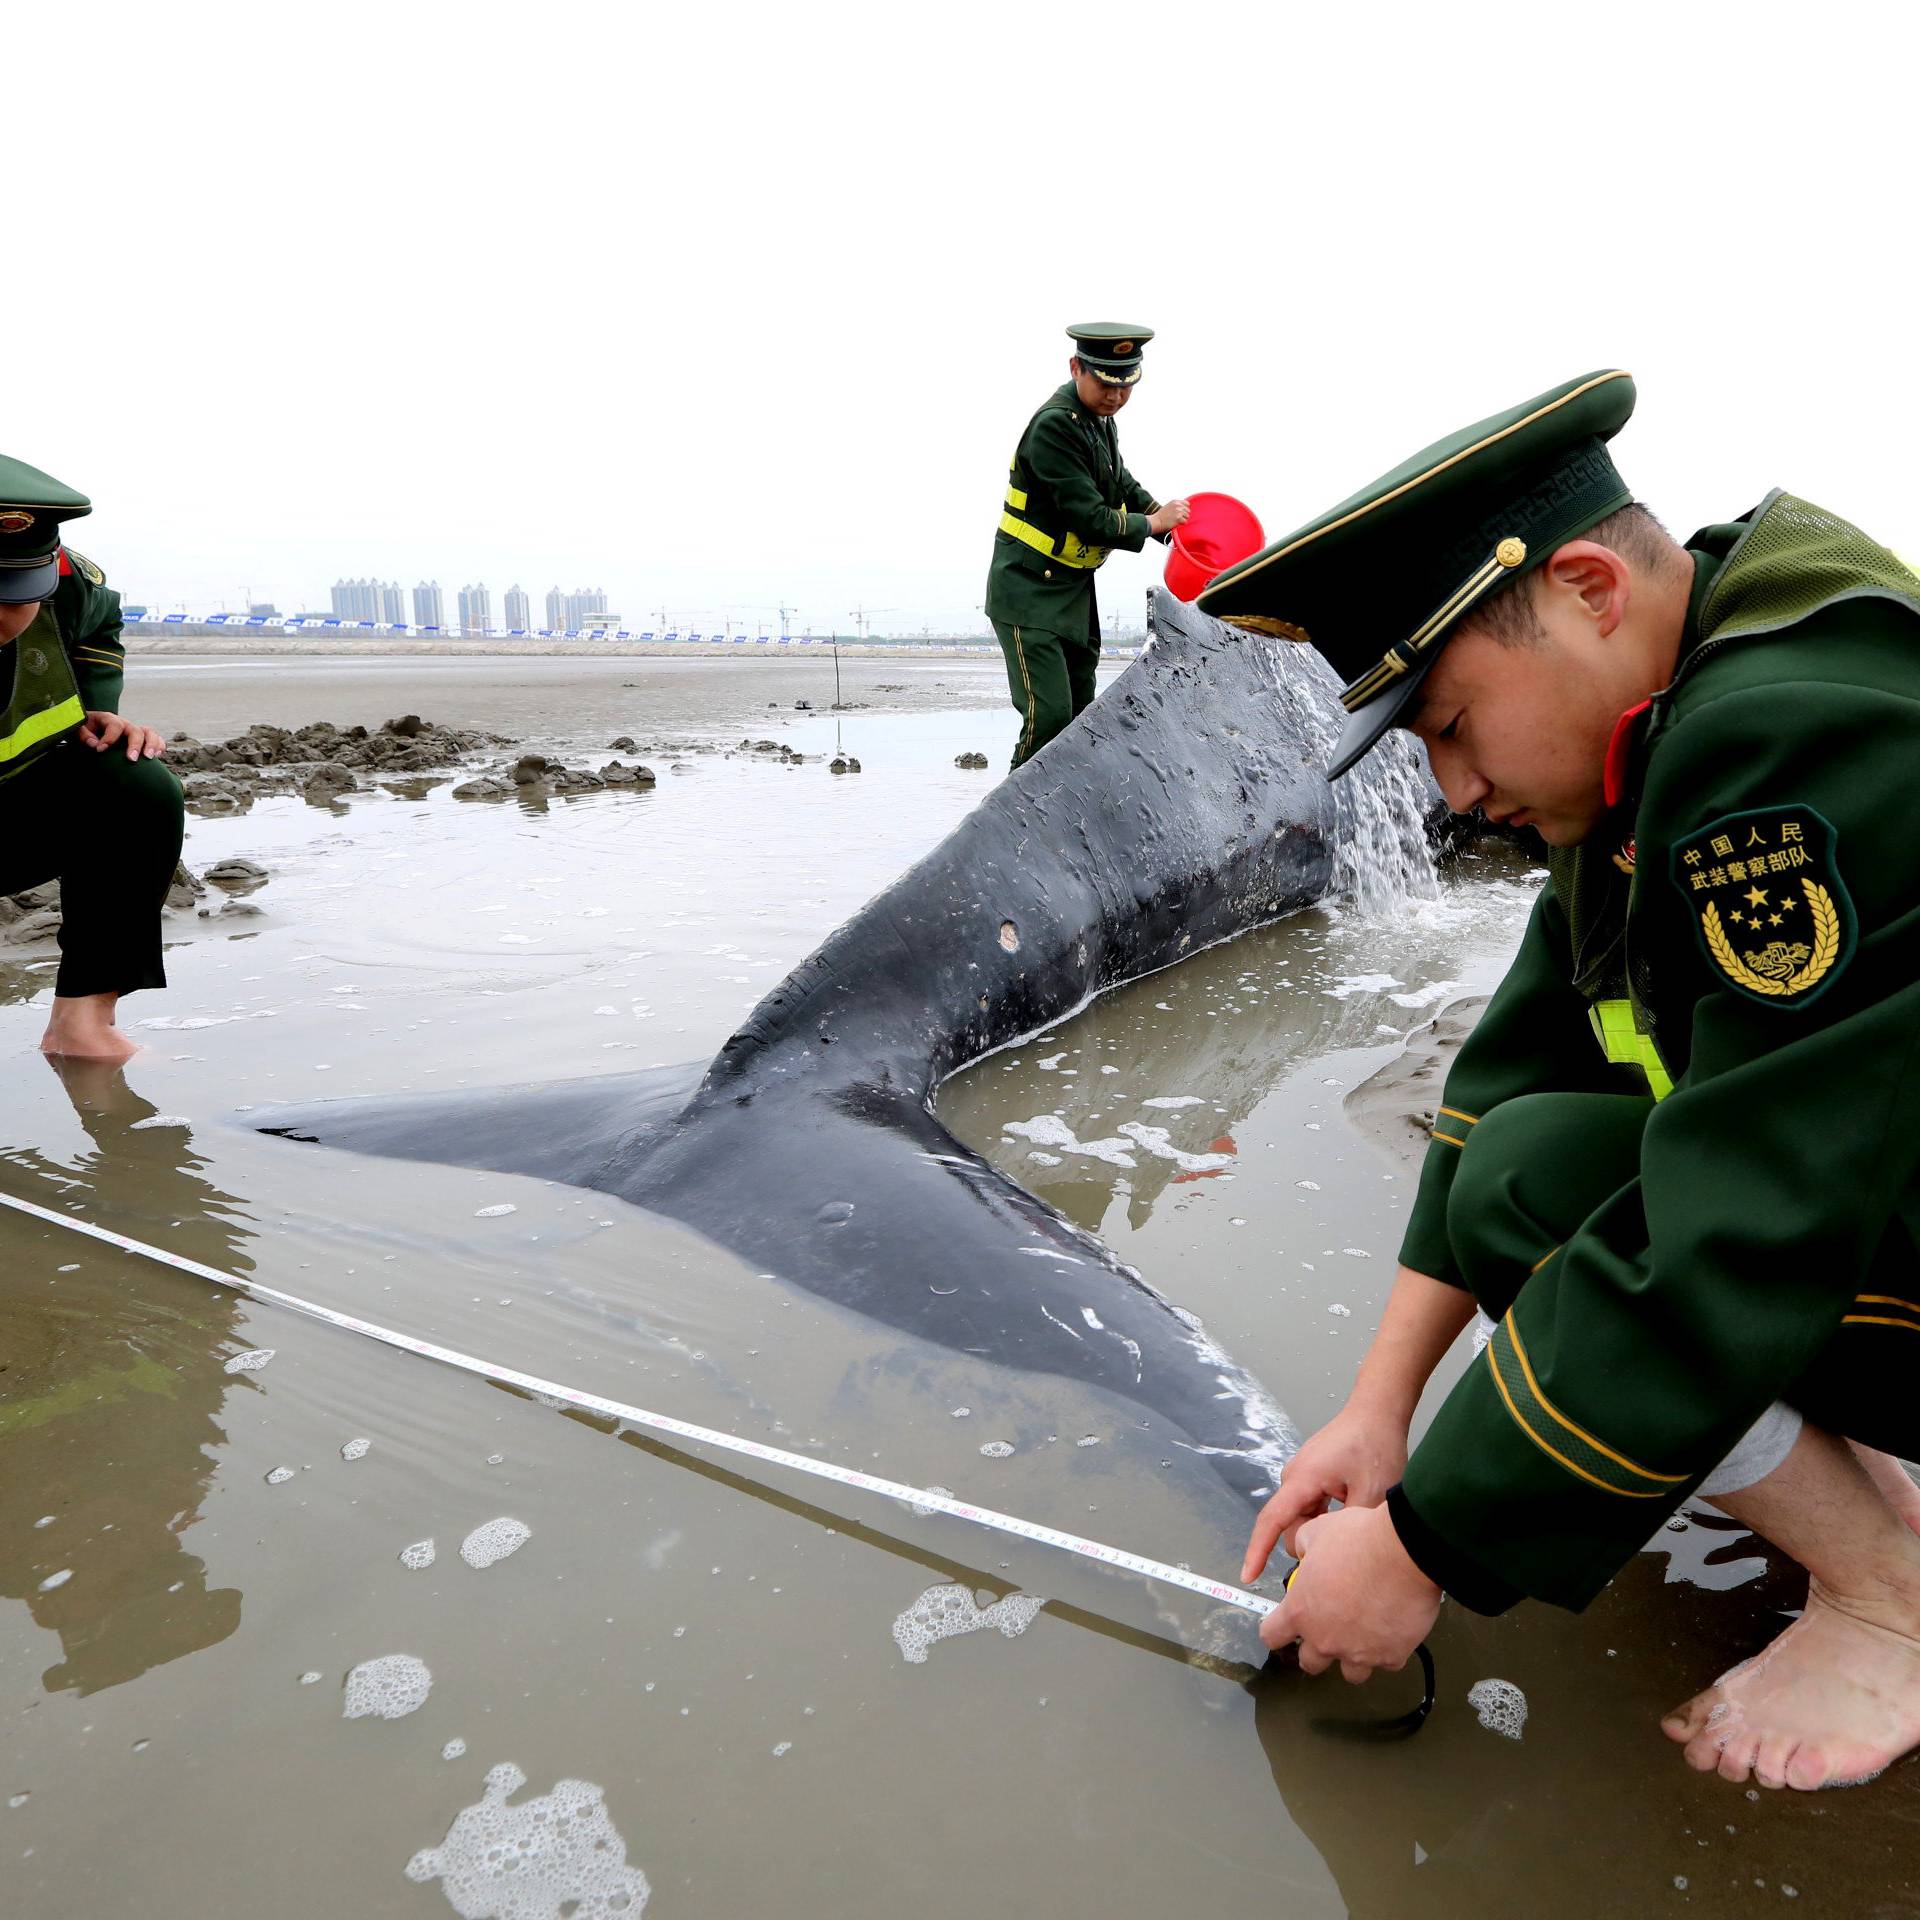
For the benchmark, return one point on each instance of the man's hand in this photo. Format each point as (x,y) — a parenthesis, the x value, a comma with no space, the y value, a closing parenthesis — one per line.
(1355,1597)
(103,730)
(1168,515)
(1354,1459)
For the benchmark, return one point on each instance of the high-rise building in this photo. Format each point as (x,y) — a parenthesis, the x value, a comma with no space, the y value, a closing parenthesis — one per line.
(581,602)
(518,608)
(476,608)
(556,607)
(354,600)
(427,608)
(393,604)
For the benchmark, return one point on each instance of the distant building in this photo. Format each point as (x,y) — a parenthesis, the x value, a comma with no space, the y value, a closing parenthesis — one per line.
(261,610)
(556,607)
(393,604)
(427,608)
(356,600)
(518,608)
(600,622)
(476,608)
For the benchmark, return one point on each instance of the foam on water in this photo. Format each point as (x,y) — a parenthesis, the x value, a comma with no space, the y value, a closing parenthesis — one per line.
(1171,1100)
(1155,1141)
(946,1612)
(495,1213)
(453,1749)
(418,1556)
(495,1541)
(1049,1130)
(389,1688)
(355,1450)
(997,1449)
(1501,1706)
(556,1855)
(279,1476)
(54,1580)
(160,1120)
(250,1362)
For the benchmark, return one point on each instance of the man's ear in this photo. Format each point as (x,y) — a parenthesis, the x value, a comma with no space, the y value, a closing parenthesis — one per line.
(1597,577)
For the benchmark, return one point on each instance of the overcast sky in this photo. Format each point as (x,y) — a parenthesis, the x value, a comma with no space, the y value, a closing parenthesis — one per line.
(720,306)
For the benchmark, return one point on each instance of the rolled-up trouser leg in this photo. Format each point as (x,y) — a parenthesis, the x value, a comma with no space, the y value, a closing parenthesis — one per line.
(109,829)
(1037,679)
(1532,1170)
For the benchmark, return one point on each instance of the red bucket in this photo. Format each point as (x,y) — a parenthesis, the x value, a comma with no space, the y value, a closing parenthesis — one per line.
(1220,532)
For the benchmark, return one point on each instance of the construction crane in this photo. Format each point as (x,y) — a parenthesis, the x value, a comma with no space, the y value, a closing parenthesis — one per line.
(862,618)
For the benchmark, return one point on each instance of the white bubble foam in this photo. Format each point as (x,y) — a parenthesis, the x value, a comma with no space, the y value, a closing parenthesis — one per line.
(389,1688)
(59,1579)
(1171,1100)
(783,1747)
(946,1612)
(250,1362)
(311,1678)
(279,1476)
(160,1120)
(997,1449)
(46,1520)
(1088,1440)
(417,1556)
(558,1854)
(1156,1141)
(494,1541)
(1501,1705)
(494,1213)
(453,1749)
(355,1450)
(924,1511)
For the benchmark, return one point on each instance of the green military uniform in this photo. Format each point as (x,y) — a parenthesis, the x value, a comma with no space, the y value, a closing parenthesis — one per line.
(1679,1159)
(109,829)
(1070,501)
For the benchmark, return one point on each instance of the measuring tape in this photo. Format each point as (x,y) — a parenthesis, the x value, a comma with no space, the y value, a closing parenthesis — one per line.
(552,1390)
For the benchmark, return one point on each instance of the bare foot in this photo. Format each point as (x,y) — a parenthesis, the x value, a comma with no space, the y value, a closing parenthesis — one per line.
(1830,1703)
(81,1028)
(1893,1480)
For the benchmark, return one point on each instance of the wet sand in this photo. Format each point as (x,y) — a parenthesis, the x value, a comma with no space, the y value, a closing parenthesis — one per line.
(716,1653)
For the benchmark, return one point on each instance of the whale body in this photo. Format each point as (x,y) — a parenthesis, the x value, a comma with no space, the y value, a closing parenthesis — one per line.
(1184,807)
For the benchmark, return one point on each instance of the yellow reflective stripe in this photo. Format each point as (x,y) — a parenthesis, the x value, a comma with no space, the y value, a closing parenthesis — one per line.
(1579,1433)
(1626,1046)
(1026,732)
(1472,1119)
(1542,1261)
(1876,1320)
(1500,1386)
(1075,555)
(42,726)
(1448,1138)
(1884,1300)
(1016,496)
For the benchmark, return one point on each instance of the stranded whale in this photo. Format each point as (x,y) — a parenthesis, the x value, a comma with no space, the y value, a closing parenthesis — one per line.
(1184,807)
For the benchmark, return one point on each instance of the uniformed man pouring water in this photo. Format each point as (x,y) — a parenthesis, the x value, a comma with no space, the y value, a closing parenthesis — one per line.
(83,797)
(1070,501)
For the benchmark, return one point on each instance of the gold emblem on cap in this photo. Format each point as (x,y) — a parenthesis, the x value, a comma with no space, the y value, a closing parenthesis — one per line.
(1123,346)
(15,520)
(1510,552)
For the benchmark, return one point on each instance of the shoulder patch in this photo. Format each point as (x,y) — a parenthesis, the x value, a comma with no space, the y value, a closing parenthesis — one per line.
(1769,907)
(86,568)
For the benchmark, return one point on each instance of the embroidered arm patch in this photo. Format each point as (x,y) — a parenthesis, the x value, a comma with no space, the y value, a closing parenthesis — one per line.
(1769,907)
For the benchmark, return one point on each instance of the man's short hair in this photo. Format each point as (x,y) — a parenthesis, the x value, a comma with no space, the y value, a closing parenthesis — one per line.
(1510,616)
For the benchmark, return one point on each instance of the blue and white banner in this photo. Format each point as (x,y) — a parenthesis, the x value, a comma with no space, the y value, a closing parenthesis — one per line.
(329,627)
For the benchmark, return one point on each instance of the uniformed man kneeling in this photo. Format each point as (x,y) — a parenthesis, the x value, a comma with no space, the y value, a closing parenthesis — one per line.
(1677,1165)
(1070,502)
(83,798)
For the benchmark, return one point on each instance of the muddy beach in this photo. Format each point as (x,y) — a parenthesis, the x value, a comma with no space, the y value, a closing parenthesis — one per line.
(298,1621)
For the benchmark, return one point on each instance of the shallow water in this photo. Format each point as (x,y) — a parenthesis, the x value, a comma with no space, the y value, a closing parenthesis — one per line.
(699,1667)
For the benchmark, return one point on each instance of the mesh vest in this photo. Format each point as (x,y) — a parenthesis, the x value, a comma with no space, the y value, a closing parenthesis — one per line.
(1793,561)
(45,706)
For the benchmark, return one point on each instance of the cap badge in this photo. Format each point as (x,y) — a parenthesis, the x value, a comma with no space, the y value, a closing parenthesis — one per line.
(15,520)
(1123,346)
(1510,552)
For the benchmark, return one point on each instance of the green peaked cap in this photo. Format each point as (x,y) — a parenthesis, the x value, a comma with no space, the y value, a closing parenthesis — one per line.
(33,507)
(1110,350)
(1380,582)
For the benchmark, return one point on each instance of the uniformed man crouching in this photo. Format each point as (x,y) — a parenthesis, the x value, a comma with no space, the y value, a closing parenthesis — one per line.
(1677,1166)
(83,798)
(1070,502)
